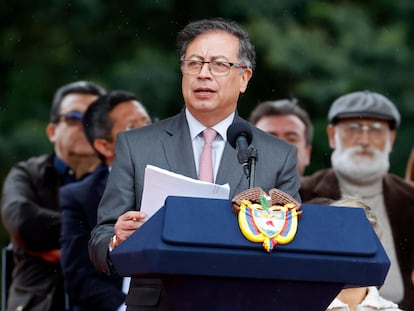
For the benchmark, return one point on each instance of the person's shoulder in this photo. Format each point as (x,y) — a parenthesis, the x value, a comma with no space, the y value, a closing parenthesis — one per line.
(151,130)
(265,139)
(398,184)
(83,195)
(373,298)
(88,182)
(35,166)
(33,173)
(41,160)
(263,135)
(392,178)
(318,176)
(322,183)
(268,140)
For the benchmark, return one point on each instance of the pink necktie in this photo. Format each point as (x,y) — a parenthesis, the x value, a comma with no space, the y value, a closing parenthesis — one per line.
(206,162)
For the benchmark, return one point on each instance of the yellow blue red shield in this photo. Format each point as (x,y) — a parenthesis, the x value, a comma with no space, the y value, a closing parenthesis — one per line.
(272,225)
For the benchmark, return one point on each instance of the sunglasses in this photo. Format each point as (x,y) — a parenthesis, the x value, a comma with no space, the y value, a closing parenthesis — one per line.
(71,118)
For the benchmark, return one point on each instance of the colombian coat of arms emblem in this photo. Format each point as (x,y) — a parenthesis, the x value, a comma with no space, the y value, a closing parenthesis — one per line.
(267,218)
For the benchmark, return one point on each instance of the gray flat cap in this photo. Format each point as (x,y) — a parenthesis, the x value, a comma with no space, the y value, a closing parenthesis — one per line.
(364,104)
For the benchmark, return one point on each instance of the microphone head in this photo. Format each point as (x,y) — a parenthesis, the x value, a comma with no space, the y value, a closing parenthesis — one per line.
(239,129)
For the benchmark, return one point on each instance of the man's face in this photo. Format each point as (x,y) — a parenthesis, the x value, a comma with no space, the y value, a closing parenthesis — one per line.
(291,129)
(128,115)
(209,98)
(362,147)
(67,134)
(125,116)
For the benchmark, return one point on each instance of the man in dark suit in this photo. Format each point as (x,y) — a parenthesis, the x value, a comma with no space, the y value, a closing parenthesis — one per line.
(30,206)
(87,288)
(217,62)
(362,130)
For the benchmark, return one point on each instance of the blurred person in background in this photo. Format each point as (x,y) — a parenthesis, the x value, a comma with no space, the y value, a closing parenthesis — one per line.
(30,206)
(87,288)
(409,169)
(361,298)
(287,120)
(361,131)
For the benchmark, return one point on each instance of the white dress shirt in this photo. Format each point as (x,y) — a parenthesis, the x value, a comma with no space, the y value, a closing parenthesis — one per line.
(196,132)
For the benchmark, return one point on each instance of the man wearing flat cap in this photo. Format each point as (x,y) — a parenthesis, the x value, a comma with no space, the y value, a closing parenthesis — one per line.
(361,132)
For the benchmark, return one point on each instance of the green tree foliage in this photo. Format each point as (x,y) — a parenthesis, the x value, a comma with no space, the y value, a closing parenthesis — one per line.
(321,50)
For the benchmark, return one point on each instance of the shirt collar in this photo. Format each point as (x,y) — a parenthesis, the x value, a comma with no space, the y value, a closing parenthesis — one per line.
(64,171)
(60,166)
(196,127)
(372,299)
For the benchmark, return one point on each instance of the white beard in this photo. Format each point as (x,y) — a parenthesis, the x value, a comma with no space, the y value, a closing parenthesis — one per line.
(360,169)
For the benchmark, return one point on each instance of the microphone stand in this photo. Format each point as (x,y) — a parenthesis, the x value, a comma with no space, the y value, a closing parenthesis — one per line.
(252,152)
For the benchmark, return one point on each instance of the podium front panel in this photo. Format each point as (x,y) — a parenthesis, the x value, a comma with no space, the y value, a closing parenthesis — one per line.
(201,237)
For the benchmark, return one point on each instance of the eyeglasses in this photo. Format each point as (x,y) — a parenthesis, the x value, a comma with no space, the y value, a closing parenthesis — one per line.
(71,118)
(355,130)
(217,68)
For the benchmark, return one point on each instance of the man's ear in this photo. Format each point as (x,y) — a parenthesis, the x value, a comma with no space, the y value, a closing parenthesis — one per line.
(51,132)
(244,79)
(330,130)
(104,147)
(393,135)
(308,150)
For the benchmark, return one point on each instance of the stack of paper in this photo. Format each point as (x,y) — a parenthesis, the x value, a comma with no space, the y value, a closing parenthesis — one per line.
(160,183)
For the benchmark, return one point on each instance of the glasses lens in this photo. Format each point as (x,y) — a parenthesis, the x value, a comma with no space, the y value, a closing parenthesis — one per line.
(374,130)
(353,129)
(191,67)
(72,118)
(219,68)
(377,130)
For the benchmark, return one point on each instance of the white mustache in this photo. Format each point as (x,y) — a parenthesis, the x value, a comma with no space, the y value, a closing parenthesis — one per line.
(349,163)
(354,151)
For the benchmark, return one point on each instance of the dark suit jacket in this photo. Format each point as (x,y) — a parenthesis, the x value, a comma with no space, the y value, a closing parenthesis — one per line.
(31,215)
(88,289)
(167,144)
(399,202)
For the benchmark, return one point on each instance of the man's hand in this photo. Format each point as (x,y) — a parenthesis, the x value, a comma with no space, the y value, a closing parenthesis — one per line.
(127,224)
(52,255)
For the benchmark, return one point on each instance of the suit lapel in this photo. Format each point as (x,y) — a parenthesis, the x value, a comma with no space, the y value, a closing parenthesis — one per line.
(230,170)
(178,148)
(179,155)
(103,178)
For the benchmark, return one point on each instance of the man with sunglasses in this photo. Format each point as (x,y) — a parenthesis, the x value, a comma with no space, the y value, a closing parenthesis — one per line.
(217,61)
(361,132)
(30,206)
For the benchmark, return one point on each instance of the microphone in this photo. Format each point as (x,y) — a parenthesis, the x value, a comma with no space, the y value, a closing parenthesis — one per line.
(239,136)
(252,151)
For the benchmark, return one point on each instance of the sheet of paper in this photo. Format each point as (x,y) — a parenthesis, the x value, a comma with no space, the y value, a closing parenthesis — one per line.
(160,183)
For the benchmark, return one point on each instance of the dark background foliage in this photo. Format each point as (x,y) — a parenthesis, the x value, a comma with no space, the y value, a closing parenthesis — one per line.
(312,50)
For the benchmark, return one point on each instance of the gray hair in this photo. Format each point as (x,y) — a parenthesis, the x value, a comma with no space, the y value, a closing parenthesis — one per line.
(247,54)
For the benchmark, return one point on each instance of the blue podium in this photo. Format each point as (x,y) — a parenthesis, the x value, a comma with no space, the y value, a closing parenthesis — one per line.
(194,245)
